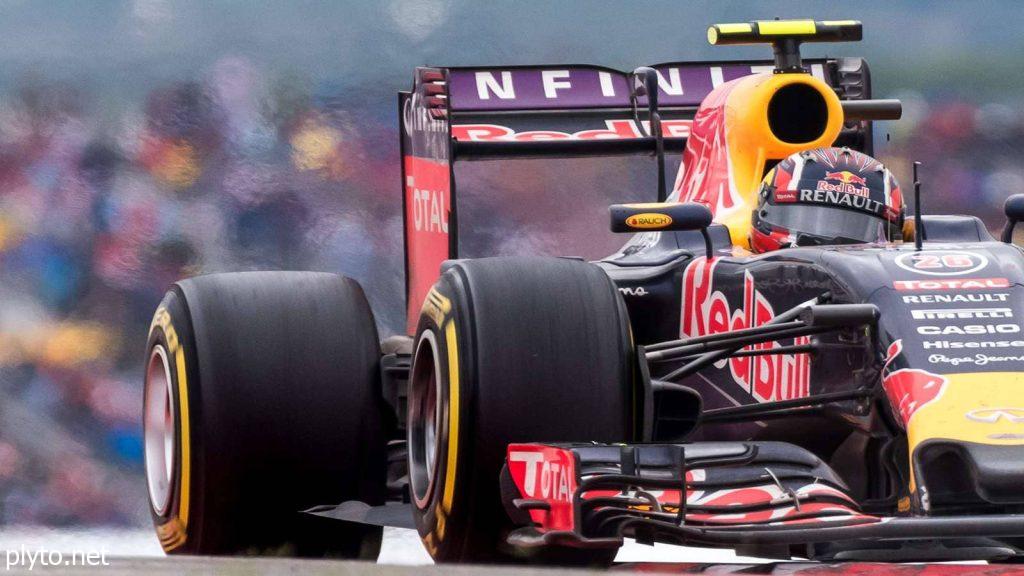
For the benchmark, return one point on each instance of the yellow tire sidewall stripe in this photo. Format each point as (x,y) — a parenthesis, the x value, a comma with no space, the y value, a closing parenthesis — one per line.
(451,342)
(438,308)
(173,533)
(184,438)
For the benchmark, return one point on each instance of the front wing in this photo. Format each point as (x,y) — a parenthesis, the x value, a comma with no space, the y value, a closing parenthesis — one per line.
(766,498)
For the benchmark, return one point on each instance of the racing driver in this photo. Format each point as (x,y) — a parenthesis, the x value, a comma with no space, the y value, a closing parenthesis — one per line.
(827,196)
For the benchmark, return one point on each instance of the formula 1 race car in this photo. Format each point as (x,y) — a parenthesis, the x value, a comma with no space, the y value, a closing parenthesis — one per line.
(830,402)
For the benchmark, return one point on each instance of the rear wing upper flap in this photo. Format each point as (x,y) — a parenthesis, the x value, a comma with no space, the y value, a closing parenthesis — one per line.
(544,111)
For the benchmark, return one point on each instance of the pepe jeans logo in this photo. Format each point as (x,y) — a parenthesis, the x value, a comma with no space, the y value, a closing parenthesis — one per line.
(976,360)
(993,415)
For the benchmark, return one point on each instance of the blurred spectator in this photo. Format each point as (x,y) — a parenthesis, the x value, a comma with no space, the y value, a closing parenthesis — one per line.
(98,219)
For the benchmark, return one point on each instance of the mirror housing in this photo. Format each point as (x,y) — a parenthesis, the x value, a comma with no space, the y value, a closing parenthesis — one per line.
(645,85)
(1014,210)
(840,315)
(662,216)
(654,216)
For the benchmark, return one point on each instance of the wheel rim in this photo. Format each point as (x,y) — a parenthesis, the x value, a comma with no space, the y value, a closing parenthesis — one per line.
(160,433)
(424,419)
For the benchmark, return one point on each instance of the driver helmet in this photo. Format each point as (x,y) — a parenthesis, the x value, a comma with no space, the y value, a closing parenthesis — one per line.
(826,196)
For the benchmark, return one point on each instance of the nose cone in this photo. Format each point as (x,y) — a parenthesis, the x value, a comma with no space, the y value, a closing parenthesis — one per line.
(967,444)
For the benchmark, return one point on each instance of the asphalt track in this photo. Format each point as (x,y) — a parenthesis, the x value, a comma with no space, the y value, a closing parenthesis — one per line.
(261,566)
(136,552)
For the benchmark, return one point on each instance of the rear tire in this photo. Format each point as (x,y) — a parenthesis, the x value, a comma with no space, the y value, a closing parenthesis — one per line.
(509,350)
(262,399)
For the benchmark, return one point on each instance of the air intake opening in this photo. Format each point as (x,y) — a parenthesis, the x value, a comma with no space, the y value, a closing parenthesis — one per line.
(797,114)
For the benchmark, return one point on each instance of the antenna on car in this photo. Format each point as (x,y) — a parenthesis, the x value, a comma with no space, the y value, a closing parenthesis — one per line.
(918,226)
(645,83)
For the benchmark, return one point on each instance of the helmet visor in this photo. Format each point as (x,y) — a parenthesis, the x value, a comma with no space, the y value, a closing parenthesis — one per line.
(828,222)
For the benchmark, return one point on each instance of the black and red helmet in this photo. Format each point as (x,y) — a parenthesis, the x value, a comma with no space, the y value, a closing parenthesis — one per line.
(827,196)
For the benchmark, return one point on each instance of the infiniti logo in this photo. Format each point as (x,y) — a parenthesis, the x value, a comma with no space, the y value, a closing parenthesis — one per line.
(993,415)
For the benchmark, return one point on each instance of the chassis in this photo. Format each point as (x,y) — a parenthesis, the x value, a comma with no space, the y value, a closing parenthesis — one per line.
(856,402)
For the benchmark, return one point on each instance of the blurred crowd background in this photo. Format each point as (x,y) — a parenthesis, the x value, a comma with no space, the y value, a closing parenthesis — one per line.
(142,141)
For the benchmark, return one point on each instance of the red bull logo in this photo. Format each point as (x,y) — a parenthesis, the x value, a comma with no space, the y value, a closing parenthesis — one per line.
(846,177)
(909,389)
(846,182)
(706,311)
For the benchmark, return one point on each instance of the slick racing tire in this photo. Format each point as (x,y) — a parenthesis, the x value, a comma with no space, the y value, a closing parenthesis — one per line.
(261,400)
(509,350)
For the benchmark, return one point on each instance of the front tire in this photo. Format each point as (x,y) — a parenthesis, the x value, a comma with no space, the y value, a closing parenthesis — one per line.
(262,399)
(509,350)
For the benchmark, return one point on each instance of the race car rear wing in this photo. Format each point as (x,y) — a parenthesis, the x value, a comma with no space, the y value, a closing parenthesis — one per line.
(554,112)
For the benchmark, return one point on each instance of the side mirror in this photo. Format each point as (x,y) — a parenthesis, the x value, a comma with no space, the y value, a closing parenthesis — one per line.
(1014,210)
(840,315)
(662,216)
(645,84)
